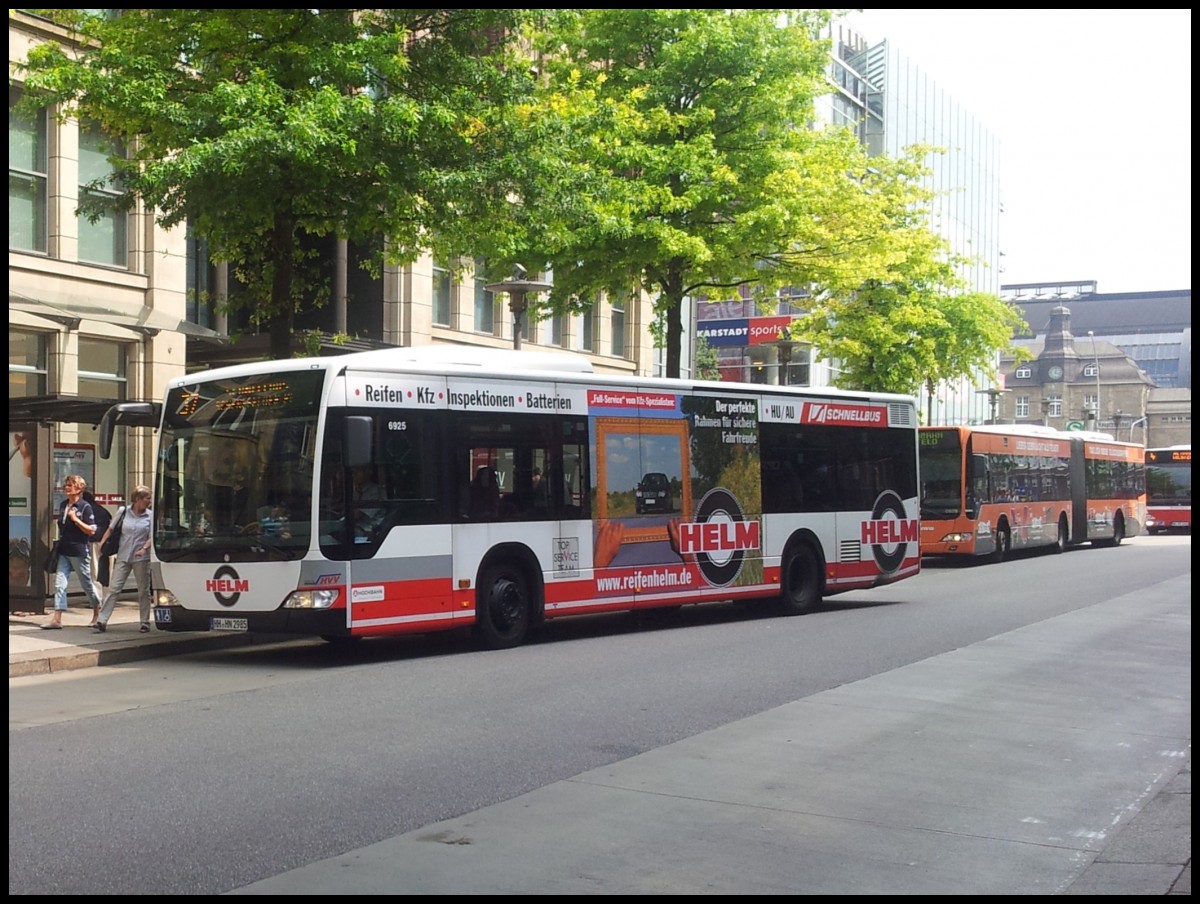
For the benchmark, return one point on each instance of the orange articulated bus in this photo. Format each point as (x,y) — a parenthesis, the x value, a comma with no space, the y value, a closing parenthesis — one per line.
(989,490)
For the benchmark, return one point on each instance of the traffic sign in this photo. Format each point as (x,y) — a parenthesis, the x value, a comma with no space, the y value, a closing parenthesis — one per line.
(1074,425)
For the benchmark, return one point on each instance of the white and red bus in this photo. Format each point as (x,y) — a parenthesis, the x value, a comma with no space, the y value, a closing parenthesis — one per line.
(988,490)
(1169,489)
(418,490)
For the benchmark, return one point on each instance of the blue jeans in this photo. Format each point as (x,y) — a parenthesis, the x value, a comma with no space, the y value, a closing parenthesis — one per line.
(82,566)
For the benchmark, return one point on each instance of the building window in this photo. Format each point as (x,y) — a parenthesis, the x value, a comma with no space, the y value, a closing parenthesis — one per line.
(617,324)
(103,375)
(102,369)
(528,327)
(103,228)
(1091,404)
(27,177)
(1056,408)
(441,295)
(1022,403)
(1091,370)
(200,303)
(485,301)
(1023,373)
(26,364)
(757,358)
(587,329)
(557,329)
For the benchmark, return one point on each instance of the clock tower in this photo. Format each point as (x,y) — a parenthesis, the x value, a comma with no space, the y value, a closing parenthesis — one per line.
(1058,360)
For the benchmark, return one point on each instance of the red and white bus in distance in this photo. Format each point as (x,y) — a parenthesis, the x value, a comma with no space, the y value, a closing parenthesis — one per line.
(1169,489)
(991,489)
(417,490)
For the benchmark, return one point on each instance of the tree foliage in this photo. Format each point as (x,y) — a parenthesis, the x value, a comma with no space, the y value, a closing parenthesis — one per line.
(707,362)
(707,178)
(671,151)
(263,129)
(911,327)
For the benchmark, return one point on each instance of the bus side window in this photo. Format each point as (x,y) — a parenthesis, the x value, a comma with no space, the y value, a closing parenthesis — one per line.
(484,495)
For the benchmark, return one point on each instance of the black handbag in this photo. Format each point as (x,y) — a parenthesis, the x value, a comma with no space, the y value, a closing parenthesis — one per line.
(51,563)
(110,546)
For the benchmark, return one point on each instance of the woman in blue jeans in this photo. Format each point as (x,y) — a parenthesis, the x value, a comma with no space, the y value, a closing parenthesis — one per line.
(76,525)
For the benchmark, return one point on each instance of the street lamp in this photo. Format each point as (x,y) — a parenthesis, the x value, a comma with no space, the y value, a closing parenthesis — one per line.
(517,287)
(783,352)
(1045,412)
(993,395)
(1142,421)
(1118,416)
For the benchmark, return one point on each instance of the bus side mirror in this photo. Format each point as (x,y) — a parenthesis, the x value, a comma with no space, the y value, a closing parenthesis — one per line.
(131,414)
(357,441)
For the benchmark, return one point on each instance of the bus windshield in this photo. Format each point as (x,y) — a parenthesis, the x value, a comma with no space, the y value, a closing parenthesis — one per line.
(1169,483)
(235,468)
(941,474)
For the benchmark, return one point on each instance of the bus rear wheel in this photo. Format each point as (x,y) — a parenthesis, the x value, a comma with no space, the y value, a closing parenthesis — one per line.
(801,581)
(1118,531)
(1003,542)
(502,608)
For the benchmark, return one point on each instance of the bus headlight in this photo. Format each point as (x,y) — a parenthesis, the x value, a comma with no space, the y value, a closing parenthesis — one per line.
(165,598)
(310,599)
(956,538)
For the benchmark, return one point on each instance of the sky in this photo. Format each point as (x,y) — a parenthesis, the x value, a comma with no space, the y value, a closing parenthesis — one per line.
(1093,113)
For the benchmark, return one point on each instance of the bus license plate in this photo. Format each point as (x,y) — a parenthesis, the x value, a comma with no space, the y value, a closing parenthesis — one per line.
(230,624)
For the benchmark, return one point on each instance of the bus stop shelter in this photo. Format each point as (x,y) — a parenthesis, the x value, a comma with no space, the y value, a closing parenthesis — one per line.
(31,487)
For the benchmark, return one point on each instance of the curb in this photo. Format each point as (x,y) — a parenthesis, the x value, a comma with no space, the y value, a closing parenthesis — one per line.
(42,662)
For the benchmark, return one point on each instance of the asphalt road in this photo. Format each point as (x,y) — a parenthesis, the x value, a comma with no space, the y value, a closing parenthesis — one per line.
(973,730)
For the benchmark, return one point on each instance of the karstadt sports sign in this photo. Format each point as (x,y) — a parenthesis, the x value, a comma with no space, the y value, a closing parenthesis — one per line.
(743,330)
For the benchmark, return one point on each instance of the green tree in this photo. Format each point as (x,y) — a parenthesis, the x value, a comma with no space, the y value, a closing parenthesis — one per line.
(912,327)
(708,363)
(675,156)
(264,129)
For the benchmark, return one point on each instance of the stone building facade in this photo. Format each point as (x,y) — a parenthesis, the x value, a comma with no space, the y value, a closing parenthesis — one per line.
(1076,384)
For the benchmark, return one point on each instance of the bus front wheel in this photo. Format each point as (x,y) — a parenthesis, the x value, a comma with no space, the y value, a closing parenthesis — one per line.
(1060,545)
(801,581)
(502,608)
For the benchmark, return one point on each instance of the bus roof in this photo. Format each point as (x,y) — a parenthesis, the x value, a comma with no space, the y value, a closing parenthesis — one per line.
(1034,430)
(454,357)
(504,362)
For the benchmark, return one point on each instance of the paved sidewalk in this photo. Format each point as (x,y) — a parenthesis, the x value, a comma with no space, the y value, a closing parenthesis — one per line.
(32,651)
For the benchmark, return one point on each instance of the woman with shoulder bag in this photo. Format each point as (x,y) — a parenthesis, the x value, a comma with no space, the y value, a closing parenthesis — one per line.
(76,525)
(134,525)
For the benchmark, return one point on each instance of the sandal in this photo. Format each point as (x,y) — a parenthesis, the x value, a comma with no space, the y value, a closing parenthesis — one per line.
(51,627)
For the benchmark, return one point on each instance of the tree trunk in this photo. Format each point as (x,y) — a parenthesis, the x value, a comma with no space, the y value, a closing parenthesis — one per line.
(672,295)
